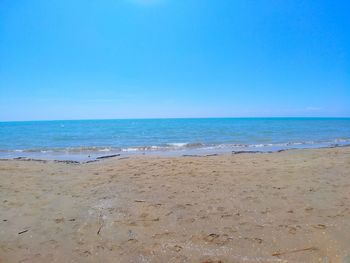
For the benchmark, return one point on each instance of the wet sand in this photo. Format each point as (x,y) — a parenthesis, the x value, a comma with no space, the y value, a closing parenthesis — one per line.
(292,206)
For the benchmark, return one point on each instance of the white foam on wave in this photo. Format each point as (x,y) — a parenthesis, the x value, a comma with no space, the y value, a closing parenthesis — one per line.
(173,146)
(177,144)
(130,149)
(165,147)
(104,150)
(184,146)
(342,140)
(46,151)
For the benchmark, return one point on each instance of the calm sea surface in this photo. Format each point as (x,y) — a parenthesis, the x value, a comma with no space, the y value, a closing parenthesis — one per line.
(81,140)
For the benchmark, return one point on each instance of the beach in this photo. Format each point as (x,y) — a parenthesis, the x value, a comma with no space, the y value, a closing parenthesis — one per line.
(290,206)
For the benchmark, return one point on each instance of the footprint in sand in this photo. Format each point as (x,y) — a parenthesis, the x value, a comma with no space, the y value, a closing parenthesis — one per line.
(217,239)
(319,226)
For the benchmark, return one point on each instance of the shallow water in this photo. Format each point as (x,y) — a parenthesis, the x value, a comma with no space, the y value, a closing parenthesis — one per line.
(87,139)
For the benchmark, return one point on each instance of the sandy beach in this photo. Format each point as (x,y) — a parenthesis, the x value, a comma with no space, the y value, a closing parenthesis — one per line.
(292,206)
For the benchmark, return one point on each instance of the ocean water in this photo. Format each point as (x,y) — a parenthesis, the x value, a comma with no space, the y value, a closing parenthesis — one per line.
(88,139)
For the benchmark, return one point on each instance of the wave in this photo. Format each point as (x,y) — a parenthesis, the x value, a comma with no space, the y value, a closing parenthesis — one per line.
(164,147)
(171,146)
(62,150)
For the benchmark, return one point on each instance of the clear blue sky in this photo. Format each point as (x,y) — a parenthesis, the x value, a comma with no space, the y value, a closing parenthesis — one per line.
(88,59)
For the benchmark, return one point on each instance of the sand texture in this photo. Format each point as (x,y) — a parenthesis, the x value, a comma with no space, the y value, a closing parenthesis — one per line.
(292,206)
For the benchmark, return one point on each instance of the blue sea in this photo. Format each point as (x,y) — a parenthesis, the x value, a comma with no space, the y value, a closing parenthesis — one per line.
(87,139)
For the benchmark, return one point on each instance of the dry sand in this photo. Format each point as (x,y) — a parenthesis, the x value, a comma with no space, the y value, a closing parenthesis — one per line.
(292,206)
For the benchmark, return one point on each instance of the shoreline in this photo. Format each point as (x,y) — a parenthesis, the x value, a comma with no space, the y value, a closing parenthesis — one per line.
(99,158)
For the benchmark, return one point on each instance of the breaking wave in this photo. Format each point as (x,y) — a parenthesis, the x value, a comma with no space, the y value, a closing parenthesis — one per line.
(178,146)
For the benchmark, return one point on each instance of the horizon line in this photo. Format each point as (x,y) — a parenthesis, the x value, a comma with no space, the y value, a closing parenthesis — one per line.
(179,118)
